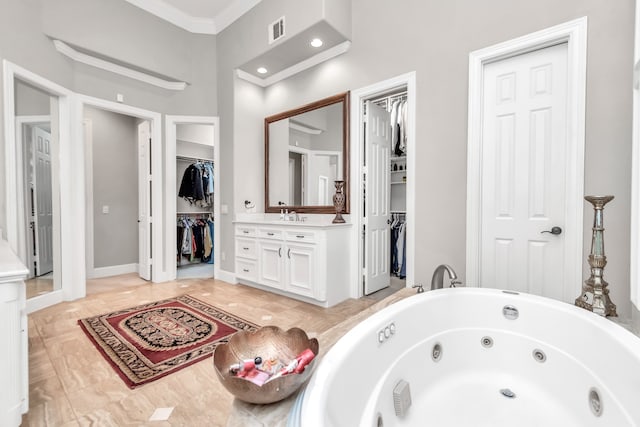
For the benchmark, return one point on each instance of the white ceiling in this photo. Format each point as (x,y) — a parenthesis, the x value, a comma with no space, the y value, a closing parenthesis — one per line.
(197,16)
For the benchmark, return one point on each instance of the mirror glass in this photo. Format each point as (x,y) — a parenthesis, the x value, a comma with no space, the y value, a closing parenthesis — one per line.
(306,151)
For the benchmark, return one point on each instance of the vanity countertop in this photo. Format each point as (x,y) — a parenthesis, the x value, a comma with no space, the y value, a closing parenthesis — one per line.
(275,414)
(321,221)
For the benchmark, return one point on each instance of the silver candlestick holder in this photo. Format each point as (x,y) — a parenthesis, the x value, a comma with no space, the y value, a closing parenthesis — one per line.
(595,295)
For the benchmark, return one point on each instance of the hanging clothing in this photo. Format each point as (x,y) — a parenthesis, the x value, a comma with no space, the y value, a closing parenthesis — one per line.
(195,240)
(197,184)
(398,246)
(207,181)
(210,223)
(398,122)
(191,186)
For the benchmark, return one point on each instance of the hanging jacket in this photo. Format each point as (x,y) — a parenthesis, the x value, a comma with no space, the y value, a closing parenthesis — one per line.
(191,188)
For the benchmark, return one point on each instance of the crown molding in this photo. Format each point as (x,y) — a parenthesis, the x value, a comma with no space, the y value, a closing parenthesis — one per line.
(197,25)
(93,61)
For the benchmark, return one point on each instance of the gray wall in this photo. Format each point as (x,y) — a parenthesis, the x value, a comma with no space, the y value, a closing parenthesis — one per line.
(30,101)
(115,184)
(29,48)
(435,39)
(126,33)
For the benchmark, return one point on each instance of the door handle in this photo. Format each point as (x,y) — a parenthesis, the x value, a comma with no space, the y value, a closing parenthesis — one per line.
(554,230)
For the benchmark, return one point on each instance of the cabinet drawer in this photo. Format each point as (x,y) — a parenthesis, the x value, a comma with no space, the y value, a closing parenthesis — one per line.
(302,236)
(247,269)
(246,231)
(270,233)
(246,248)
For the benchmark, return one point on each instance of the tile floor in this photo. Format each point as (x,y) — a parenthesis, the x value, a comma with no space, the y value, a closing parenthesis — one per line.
(71,384)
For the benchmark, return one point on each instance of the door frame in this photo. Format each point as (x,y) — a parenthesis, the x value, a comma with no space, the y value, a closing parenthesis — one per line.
(158,273)
(170,183)
(68,192)
(574,33)
(358,96)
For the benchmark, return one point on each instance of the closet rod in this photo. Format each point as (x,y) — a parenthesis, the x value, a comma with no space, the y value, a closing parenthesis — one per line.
(190,159)
(194,213)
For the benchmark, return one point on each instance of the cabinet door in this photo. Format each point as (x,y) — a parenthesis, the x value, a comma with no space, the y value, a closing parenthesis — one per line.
(301,261)
(271,264)
(13,353)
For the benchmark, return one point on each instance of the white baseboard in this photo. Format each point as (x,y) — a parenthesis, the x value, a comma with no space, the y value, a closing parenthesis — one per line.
(113,270)
(226,276)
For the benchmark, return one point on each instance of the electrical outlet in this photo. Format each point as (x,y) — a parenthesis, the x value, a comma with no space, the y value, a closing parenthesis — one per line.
(223,255)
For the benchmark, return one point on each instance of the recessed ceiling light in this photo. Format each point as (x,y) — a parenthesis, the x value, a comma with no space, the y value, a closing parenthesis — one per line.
(316,42)
(262,70)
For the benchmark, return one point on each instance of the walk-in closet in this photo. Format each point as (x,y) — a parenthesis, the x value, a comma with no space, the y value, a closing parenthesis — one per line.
(385,190)
(195,201)
(396,105)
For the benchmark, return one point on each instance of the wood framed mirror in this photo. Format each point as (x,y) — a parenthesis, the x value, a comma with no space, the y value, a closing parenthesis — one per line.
(306,150)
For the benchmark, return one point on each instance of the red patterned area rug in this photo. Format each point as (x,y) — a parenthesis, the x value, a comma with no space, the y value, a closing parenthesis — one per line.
(150,341)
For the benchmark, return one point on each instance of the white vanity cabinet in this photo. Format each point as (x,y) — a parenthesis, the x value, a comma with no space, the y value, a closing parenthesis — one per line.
(308,262)
(246,253)
(13,332)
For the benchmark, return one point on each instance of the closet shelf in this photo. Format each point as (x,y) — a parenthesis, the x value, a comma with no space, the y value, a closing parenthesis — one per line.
(397,158)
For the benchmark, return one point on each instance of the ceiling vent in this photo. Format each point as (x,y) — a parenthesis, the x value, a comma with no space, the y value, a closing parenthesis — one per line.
(276,30)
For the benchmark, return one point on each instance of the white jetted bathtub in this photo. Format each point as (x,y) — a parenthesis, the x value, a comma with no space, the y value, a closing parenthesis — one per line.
(476,357)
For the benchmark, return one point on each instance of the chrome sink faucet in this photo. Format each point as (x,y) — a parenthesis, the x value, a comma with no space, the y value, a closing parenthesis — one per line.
(437,280)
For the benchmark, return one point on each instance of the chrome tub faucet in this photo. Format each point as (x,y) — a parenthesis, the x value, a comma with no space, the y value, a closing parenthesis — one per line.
(437,280)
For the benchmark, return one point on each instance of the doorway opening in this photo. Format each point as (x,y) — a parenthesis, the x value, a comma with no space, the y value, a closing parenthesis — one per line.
(383,185)
(117,152)
(33,102)
(193,188)
(33,134)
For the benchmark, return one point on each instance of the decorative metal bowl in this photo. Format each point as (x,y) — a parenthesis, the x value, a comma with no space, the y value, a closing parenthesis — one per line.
(267,342)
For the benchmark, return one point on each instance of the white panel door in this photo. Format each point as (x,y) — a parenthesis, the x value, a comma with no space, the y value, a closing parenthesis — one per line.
(377,216)
(523,172)
(42,201)
(144,200)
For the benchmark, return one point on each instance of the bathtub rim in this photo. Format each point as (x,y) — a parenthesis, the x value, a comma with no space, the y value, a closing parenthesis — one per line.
(317,389)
